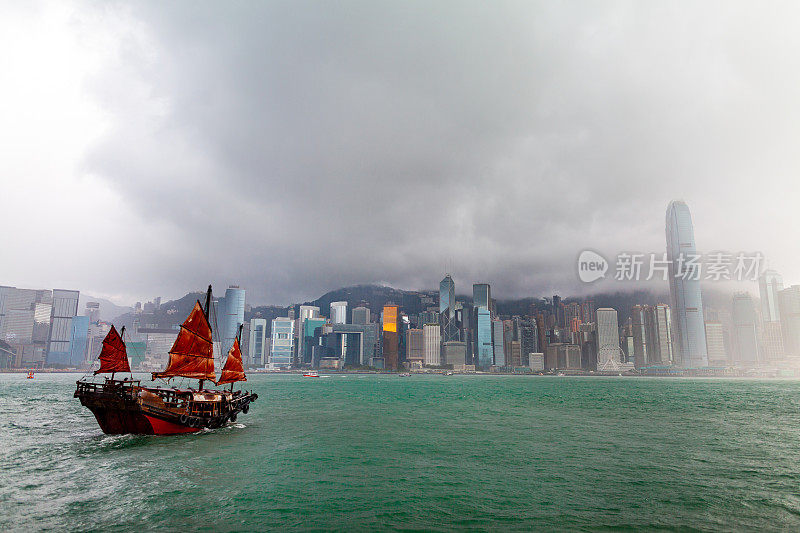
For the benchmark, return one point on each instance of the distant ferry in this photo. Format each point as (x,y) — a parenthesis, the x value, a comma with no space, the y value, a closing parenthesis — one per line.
(30,374)
(311,374)
(125,406)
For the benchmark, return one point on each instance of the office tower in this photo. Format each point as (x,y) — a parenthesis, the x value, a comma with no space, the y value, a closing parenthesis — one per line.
(572,315)
(454,353)
(608,353)
(789,309)
(485,355)
(639,336)
(717,355)
(745,330)
(498,343)
(447,309)
(588,310)
(432,341)
(415,350)
(308,311)
(515,355)
(558,311)
(391,344)
(447,294)
(529,339)
(65,306)
(361,315)
(232,311)
(689,343)
(772,341)
(664,332)
(481,295)
(282,345)
(770,283)
(257,343)
(79,341)
(338,312)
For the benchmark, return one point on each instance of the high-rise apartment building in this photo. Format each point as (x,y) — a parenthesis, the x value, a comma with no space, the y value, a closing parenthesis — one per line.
(689,346)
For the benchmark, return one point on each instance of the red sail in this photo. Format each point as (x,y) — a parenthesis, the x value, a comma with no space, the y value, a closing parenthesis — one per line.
(113,356)
(192,355)
(234,370)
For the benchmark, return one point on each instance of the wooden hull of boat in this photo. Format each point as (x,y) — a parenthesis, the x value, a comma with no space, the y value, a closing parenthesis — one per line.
(120,410)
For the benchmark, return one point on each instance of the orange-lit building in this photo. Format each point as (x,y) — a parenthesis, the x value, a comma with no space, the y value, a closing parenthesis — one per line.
(391,314)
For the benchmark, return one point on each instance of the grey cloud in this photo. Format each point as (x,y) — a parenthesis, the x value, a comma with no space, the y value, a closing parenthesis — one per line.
(300,146)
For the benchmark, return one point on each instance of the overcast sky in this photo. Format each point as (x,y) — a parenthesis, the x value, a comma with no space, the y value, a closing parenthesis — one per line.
(295,147)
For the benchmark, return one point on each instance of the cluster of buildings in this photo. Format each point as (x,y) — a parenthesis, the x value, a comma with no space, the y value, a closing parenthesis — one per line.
(43,328)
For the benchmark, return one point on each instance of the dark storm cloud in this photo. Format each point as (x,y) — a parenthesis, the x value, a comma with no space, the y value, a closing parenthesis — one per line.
(294,147)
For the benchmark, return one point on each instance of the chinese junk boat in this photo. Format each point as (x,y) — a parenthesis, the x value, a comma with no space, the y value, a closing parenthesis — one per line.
(125,406)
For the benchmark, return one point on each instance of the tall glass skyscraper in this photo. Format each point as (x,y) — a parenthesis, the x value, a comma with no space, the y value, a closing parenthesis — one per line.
(65,306)
(745,330)
(232,312)
(608,352)
(482,295)
(770,283)
(689,345)
(338,312)
(447,311)
(485,352)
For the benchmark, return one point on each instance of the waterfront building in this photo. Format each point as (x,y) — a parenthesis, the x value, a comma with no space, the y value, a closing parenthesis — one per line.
(338,312)
(65,307)
(608,352)
(282,345)
(361,315)
(415,350)
(232,316)
(772,340)
(514,355)
(745,331)
(454,353)
(536,361)
(717,355)
(640,336)
(391,327)
(257,342)
(79,341)
(689,342)
(529,338)
(789,309)
(432,342)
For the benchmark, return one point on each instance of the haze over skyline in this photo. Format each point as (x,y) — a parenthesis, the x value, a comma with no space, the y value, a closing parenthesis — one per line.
(294,148)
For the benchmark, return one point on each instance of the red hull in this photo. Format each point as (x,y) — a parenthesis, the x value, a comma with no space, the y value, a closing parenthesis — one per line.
(119,422)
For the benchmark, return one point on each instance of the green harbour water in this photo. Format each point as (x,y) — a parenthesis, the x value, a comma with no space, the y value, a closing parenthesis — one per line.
(367,452)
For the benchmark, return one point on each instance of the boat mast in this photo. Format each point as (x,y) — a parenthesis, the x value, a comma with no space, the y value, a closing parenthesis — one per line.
(207,310)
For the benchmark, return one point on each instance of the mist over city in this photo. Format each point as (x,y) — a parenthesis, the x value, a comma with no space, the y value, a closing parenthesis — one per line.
(400,265)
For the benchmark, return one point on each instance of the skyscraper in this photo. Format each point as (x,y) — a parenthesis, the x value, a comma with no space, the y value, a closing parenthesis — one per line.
(65,306)
(391,327)
(282,345)
(485,355)
(664,328)
(432,341)
(745,332)
(689,345)
(770,283)
(447,311)
(717,355)
(338,312)
(789,304)
(361,315)
(498,343)
(232,316)
(258,342)
(608,353)
(308,311)
(481,295)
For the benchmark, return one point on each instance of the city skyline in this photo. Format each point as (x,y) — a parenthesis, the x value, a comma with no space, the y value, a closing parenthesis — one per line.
(501,144)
